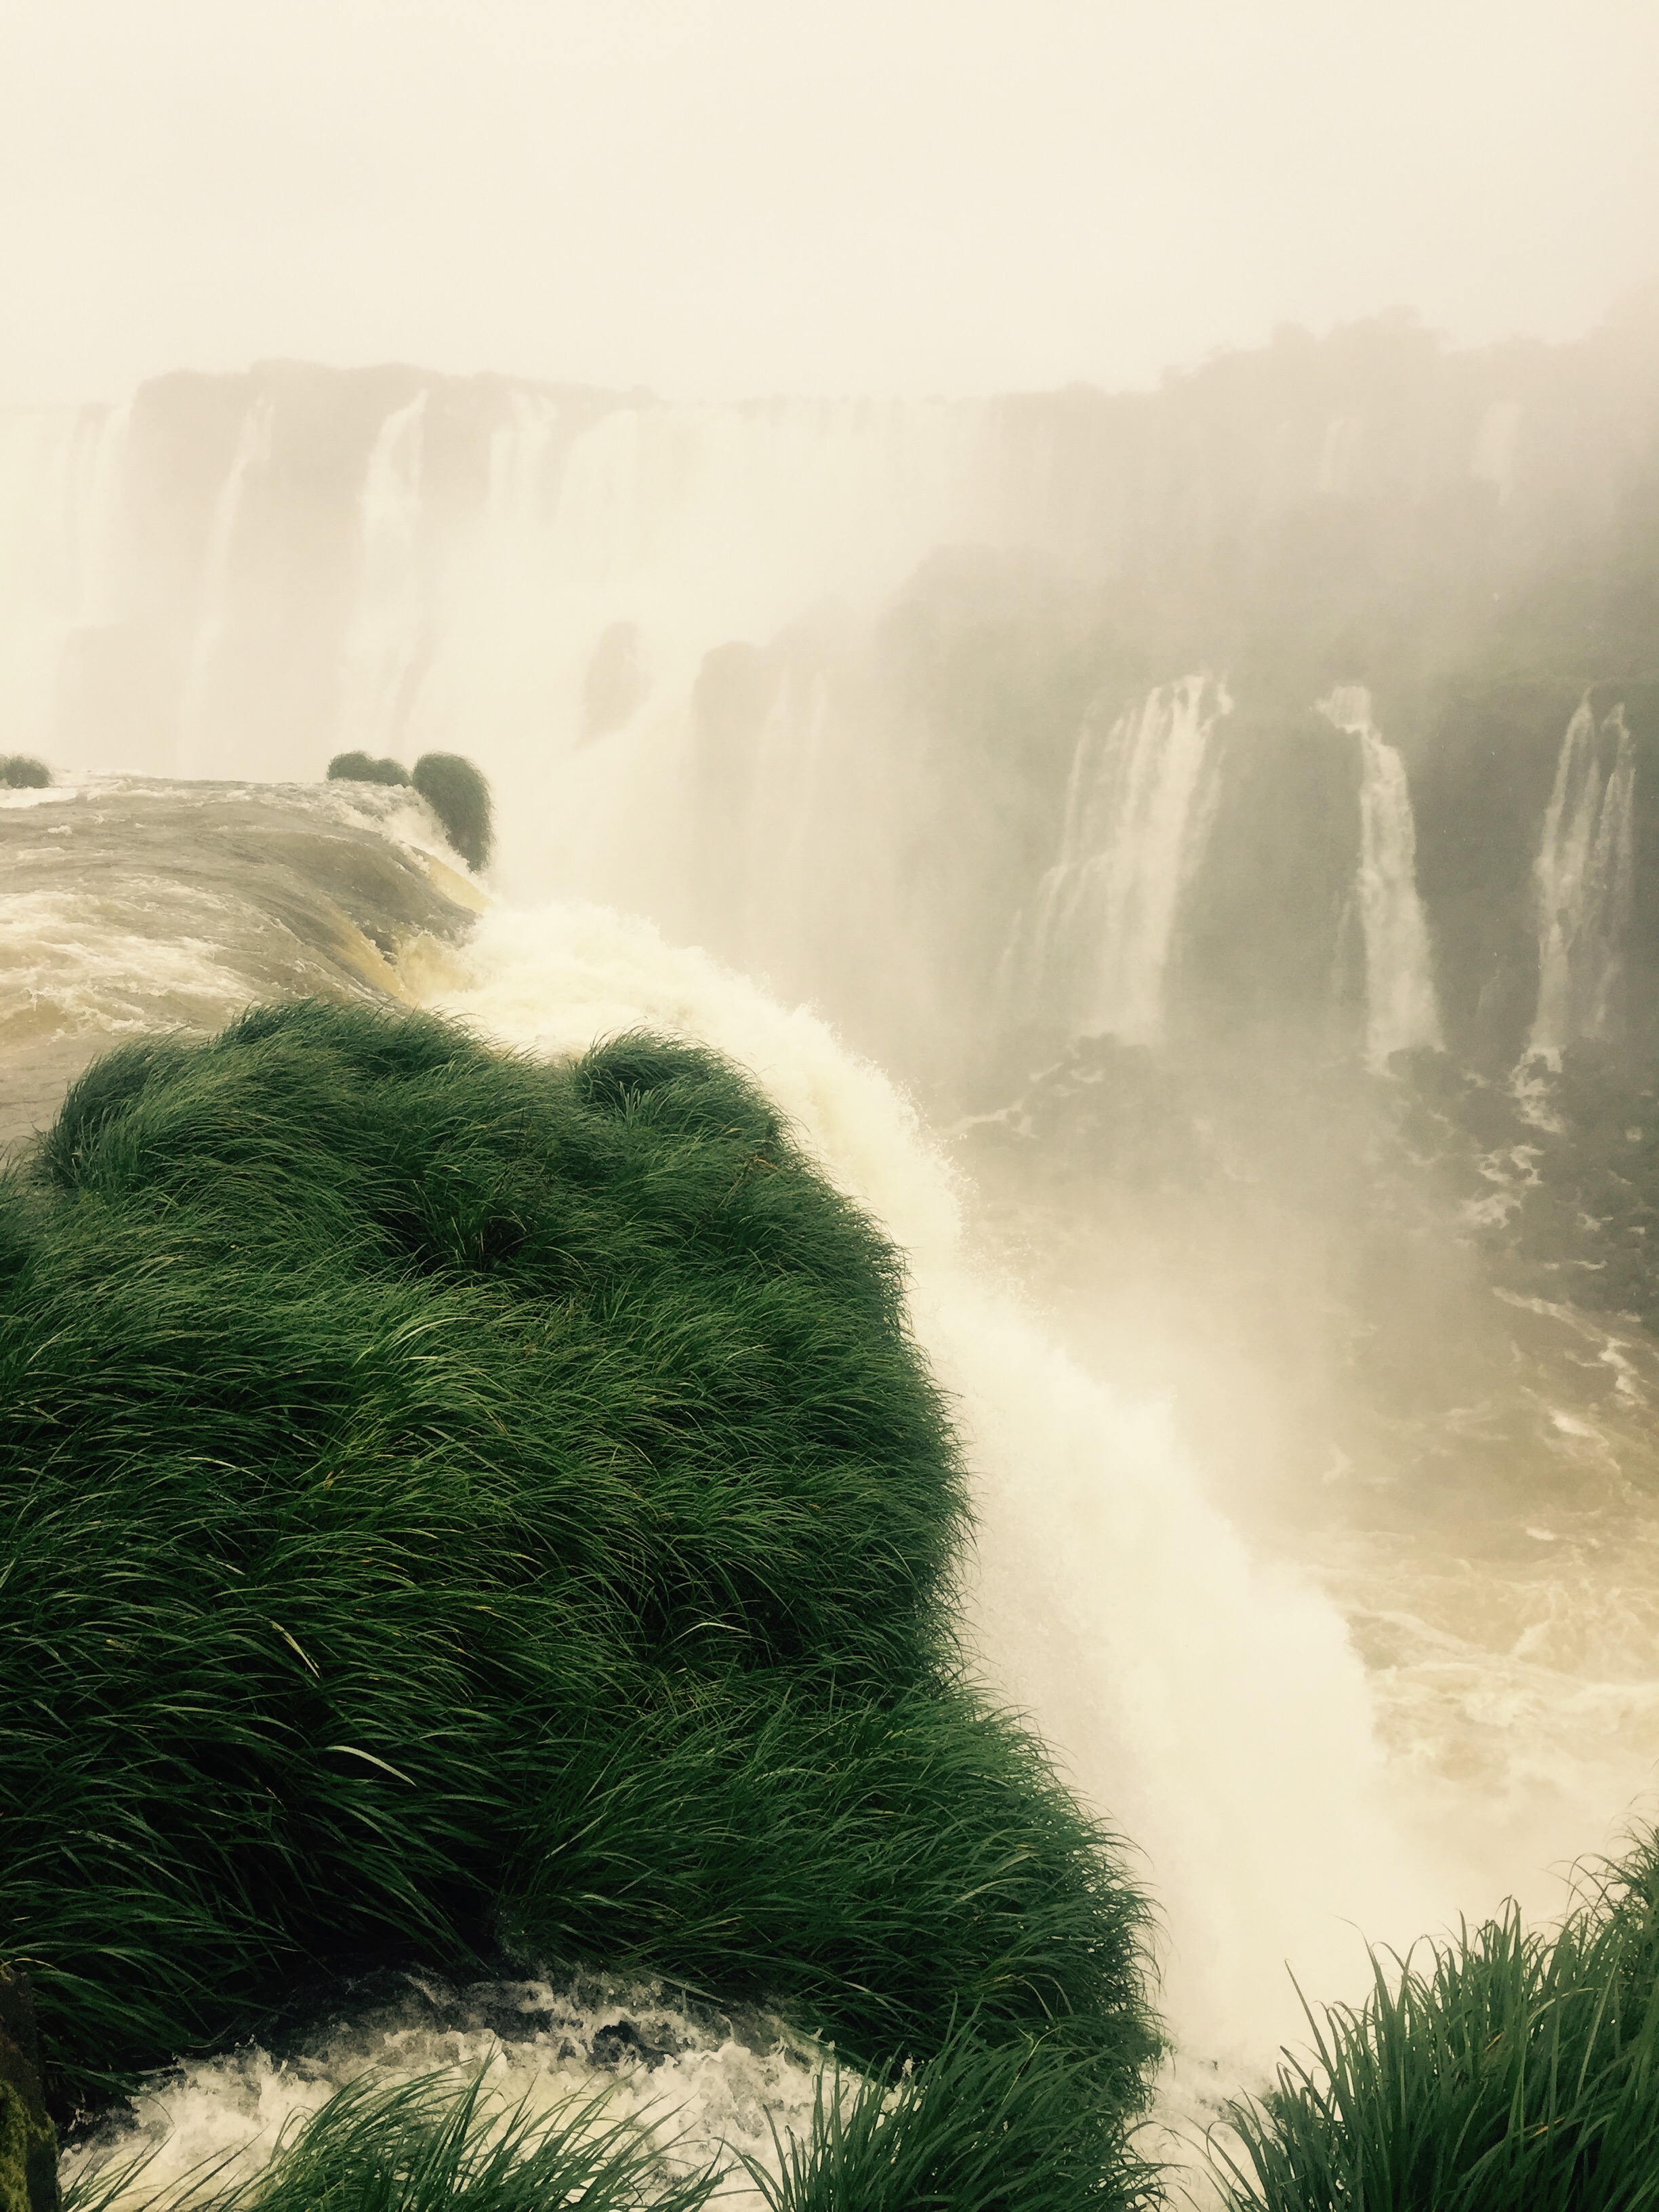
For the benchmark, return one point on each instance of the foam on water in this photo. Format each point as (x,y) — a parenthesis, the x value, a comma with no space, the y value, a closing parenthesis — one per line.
(709,2089)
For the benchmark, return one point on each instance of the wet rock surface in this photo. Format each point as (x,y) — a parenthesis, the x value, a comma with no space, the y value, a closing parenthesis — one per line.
(28,2142)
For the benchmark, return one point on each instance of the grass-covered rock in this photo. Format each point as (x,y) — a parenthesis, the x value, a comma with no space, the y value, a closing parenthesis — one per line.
(21,772)
(359,767)
(449,1500)
(459,795)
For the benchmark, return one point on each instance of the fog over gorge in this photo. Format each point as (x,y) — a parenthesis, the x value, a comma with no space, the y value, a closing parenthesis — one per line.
(828,1312)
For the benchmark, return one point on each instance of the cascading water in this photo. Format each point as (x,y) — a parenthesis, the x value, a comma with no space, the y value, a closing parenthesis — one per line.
(383,646)
(60,551)
(1402,1012)
(1095,952)
(202,739)
(1583,878)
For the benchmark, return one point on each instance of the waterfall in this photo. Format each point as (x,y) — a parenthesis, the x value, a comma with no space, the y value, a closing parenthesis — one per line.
(517,456)
(1401,1008)
(1139,804)
(197,737)
(381,660)
(61,486)
(1583,882)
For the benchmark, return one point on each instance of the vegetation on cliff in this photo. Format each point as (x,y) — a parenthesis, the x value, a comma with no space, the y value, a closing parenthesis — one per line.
(449,1501)
(459,795)
(358,768)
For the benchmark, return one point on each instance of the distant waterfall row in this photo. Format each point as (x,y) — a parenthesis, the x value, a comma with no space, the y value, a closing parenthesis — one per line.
(1094,949)
(809,683)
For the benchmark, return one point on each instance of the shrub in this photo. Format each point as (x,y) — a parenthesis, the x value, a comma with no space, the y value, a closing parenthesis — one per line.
(358,768)
(444,1497)
(18,772)
(1515,2072)
(459,797)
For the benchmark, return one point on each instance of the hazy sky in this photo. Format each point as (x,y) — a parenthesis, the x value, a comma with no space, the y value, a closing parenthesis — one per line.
(733,196)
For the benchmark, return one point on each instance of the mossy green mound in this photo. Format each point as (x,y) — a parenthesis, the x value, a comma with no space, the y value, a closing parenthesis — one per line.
(359,767)
(459,795)
(448,1499)
(1516,2070)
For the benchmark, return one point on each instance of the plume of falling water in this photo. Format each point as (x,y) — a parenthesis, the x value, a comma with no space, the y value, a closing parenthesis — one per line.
(1139,804)
(1583,882)
(381,656)
(61,482)
(197,715)
(1401,1011)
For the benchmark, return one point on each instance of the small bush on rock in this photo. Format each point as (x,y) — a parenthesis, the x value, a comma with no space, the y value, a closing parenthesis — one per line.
(459,795)
(358,768)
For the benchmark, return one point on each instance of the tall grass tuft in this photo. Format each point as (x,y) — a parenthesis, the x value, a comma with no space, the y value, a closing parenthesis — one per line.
(459,795)
(1007,2126)
(430,2146)
(19,771)
(449,1500)
(359,768)
(1514,2071)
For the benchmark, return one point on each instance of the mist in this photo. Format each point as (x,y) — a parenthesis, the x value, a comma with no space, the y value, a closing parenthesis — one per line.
(738,199)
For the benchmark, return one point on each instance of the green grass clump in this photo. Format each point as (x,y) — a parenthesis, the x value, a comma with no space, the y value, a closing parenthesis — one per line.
(459,795)
(426,2146)
(358,768)
(1518,2071)
(982,2127)
(447,1498)
(18,772)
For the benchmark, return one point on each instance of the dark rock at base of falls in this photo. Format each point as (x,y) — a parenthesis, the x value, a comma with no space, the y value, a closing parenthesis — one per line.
(28,2142)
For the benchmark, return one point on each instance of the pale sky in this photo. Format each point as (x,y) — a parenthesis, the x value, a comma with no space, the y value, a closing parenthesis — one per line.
(726,197)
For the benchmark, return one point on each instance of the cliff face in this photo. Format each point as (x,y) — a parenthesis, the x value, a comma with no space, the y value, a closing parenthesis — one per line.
(818,684)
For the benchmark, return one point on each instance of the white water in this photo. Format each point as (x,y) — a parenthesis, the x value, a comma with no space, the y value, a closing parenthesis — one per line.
(1096,951)
(1583,883)
(60,566)
(1400,1009)
(708,2094)
(381,648)
(202,742)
